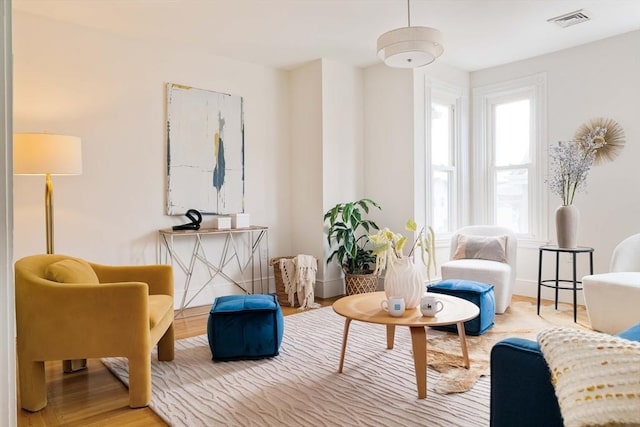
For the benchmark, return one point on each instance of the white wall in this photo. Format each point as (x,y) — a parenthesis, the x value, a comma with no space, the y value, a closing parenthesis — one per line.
(327,155)
(595,80)
(342,157)
(110,91)
(305,161)
(389,139)
(342,112)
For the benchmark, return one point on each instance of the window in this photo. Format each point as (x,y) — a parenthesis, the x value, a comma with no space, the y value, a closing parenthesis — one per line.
(509,125)
(443,176)
(512,168)
(445,152)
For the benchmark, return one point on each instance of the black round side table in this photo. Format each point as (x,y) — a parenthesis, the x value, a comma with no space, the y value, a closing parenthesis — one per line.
(555,283)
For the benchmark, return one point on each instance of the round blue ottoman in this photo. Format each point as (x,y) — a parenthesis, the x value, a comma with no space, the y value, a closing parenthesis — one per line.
(481,294)
(245,327)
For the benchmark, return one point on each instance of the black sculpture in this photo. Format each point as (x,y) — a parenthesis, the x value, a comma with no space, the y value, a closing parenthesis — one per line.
(196,219)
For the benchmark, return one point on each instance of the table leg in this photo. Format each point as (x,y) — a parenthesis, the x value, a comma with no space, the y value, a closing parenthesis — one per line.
(575,290)
(419,344)
(391,333)
(539,279)
(345,335)
(463,344)
(557,276)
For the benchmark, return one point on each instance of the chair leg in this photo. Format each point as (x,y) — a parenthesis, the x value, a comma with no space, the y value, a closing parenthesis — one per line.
(69,366)
(139,381)
(166,345)
(33,386)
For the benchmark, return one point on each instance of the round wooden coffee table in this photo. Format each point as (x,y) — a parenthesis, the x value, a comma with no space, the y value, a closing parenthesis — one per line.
(366,308)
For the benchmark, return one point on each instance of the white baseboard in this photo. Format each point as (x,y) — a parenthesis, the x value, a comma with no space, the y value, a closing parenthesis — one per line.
(329,288)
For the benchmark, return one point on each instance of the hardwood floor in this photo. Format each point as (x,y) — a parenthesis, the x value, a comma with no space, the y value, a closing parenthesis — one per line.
(94,397)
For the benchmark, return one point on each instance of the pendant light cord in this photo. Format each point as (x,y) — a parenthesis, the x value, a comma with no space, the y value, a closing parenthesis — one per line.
(408,13)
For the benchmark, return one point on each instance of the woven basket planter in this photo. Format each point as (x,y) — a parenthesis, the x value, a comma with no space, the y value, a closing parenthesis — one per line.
(360,283)
(281,293)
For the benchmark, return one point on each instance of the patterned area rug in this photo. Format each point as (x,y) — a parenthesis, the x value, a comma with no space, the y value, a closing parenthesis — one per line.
(520,320)
(301,386)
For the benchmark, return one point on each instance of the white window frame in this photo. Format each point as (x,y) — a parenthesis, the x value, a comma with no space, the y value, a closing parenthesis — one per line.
(444,93)
(8,414)
(485,98)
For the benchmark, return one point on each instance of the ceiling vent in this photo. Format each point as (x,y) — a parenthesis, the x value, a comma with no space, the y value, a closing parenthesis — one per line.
(571,18)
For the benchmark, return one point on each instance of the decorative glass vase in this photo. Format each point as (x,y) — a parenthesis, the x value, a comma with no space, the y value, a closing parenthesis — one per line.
(404,278)
(567,219)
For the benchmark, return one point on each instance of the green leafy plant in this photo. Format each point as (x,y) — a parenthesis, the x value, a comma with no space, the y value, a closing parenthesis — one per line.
(349,229)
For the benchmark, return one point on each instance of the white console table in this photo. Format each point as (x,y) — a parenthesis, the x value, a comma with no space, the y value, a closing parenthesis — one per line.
(233,256)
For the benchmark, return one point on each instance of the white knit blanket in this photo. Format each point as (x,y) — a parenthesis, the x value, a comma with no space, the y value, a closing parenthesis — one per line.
(596,376)
(299,277)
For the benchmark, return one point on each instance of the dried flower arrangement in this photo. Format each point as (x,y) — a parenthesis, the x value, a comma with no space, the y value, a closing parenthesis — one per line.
(597,141)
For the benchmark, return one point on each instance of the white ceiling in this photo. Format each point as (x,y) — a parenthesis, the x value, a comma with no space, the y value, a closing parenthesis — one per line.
(286,33)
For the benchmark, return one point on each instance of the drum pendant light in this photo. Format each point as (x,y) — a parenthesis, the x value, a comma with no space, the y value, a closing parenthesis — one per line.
(410,47)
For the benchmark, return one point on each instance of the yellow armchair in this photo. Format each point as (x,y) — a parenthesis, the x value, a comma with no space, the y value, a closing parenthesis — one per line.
(69,309)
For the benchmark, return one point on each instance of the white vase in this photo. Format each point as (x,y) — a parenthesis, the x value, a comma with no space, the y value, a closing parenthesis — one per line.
(404,278)
(567,219)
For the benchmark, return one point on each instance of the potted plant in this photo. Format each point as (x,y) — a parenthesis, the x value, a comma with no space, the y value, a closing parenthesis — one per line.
(348,230)
(594,142)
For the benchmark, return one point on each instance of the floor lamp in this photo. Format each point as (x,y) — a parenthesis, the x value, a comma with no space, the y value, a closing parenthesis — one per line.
(46,154)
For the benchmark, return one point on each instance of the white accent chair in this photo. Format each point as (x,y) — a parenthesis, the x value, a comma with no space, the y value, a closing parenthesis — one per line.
(613,299)
(502,275)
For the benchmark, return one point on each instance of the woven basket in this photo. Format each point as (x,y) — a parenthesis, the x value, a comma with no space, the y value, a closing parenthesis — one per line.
(361,283)
(281,293)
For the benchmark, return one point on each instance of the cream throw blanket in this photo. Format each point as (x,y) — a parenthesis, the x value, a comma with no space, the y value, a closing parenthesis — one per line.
(299,277)
(596,376)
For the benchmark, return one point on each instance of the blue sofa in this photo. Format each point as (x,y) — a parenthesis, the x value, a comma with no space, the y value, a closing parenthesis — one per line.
(521,391)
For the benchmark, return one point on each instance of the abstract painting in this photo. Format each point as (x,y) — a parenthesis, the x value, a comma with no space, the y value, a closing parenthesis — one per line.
(205,151)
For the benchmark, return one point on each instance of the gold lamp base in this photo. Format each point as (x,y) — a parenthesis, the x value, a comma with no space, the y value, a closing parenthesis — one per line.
(68,366)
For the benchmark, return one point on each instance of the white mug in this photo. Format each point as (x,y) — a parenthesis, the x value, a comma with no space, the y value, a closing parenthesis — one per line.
(393,305)
(429,305)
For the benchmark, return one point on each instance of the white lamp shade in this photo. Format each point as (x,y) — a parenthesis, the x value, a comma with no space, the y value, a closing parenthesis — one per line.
(410,47)
(42,153)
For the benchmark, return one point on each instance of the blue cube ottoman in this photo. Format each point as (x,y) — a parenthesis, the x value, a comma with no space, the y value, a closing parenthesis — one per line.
(481,294)
(245,327)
